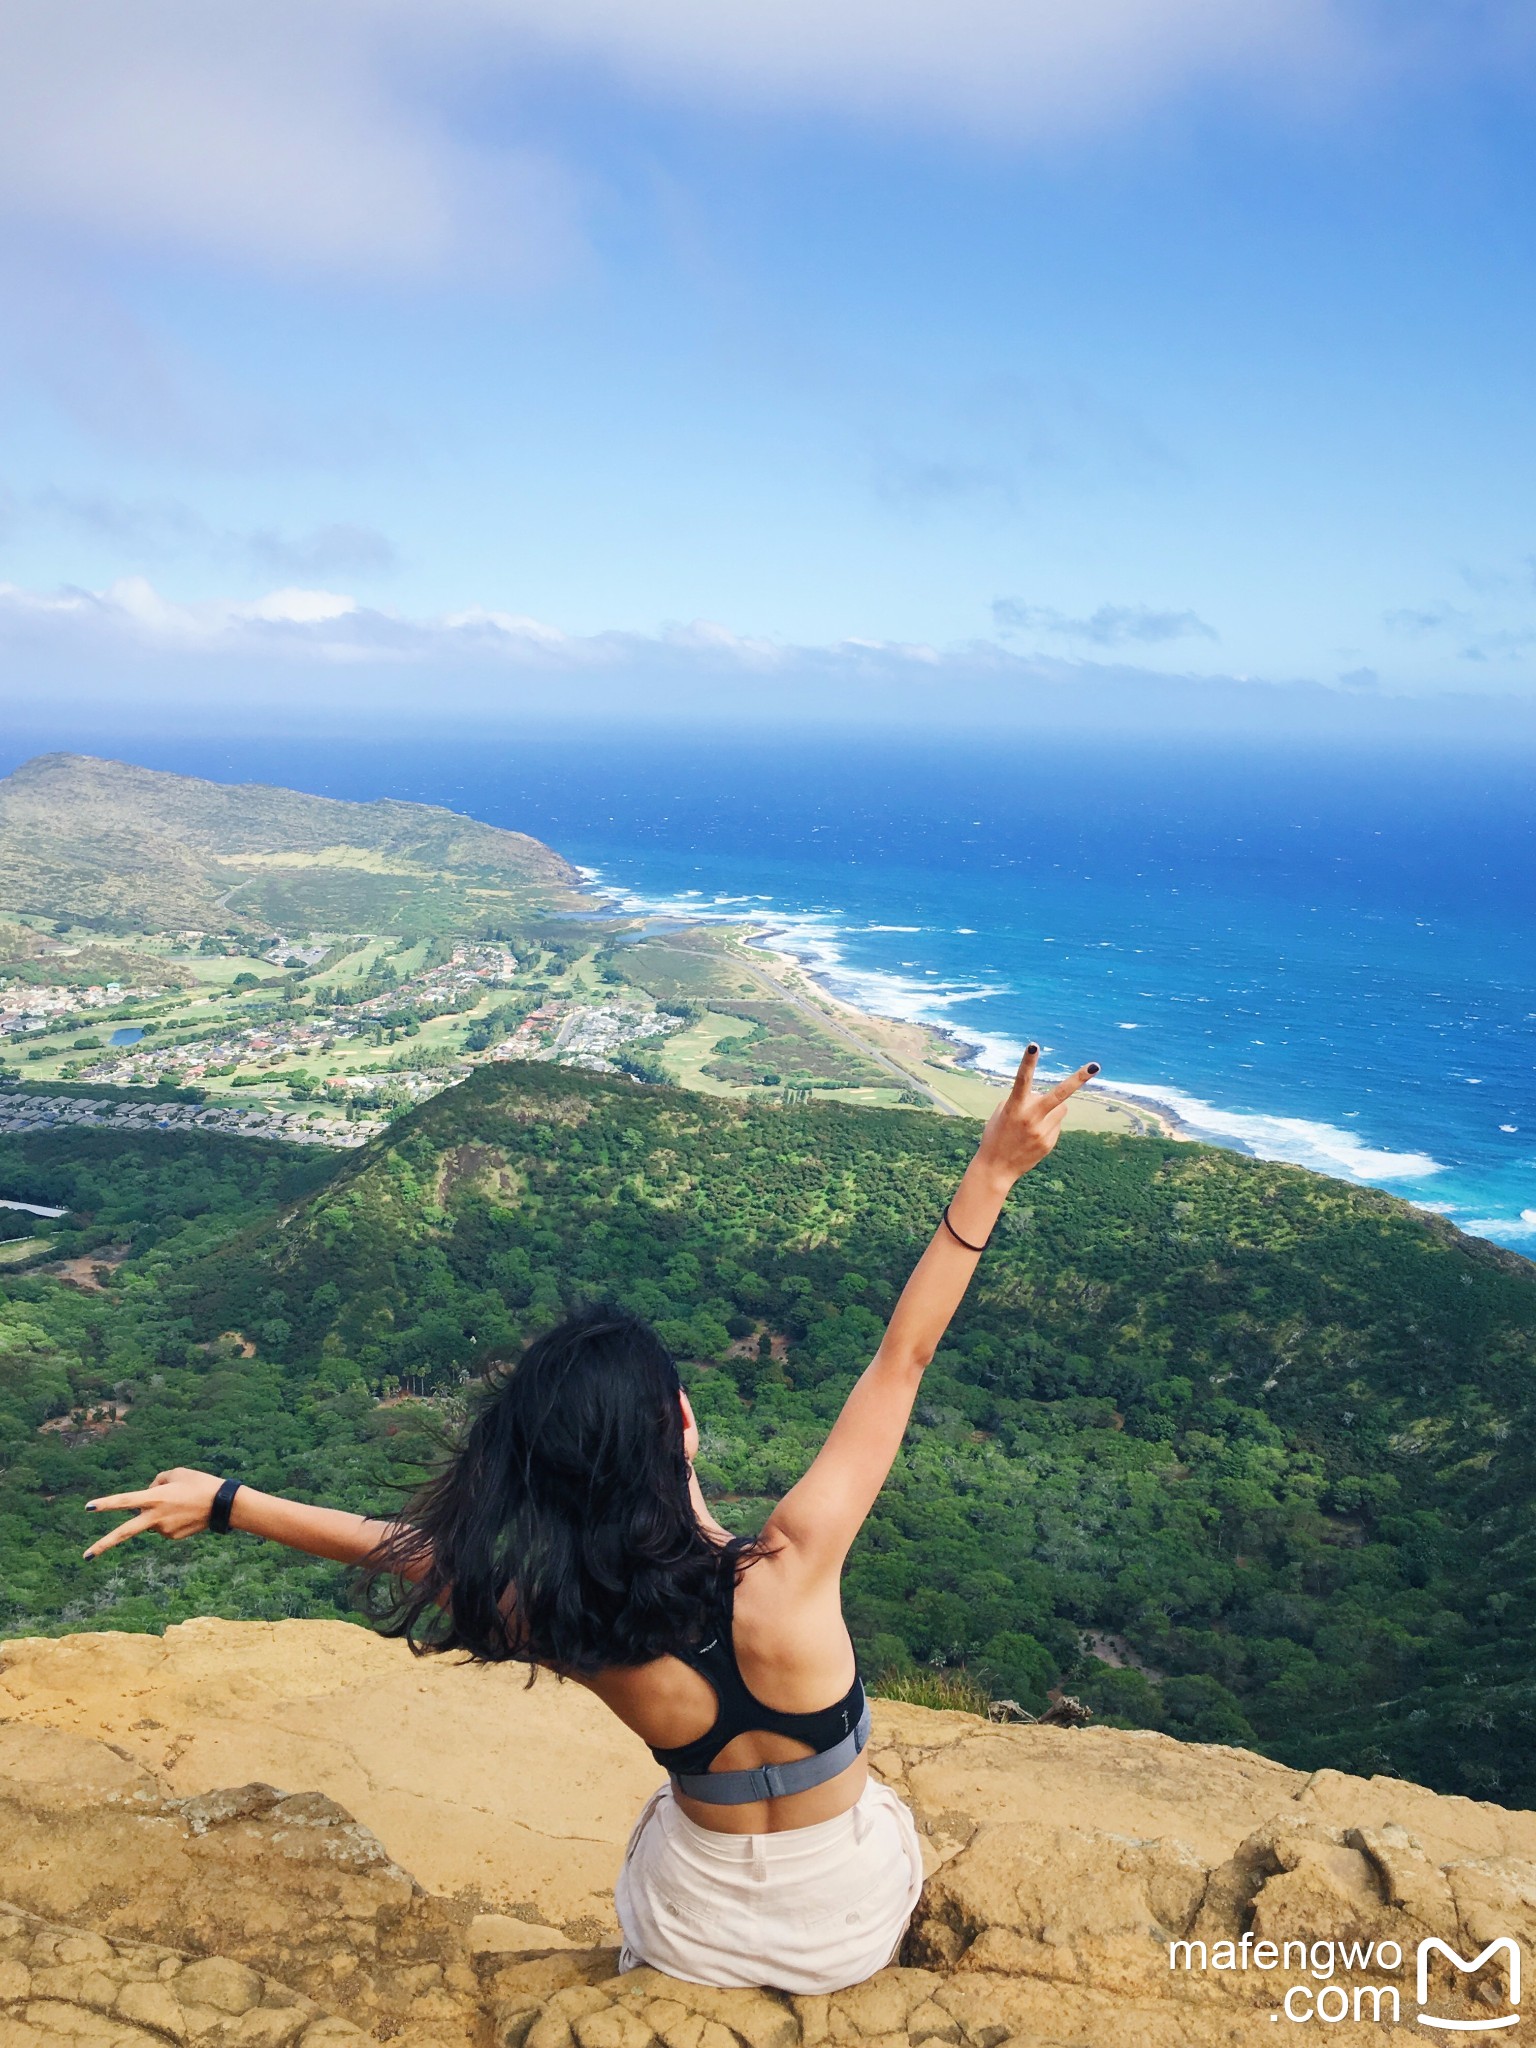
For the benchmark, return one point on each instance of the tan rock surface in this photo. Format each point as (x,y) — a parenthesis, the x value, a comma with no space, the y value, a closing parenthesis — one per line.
(1062,1866)
(61,1984)
(546,1782)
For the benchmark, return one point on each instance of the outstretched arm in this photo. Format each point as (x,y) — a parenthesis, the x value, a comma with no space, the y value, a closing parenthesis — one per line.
(819,1518)
(178,1503)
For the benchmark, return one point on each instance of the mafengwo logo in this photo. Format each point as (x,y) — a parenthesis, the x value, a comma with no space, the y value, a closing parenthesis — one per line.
(1505,1946)
(1443,1980)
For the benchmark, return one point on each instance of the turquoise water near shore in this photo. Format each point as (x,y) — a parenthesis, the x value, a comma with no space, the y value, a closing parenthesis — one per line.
(1324,958)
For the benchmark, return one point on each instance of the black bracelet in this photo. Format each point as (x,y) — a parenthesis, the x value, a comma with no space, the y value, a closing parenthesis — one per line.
(223,1501)
(964,1240)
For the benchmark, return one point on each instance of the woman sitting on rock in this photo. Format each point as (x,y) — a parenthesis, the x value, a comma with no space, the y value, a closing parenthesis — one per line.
(569,1533)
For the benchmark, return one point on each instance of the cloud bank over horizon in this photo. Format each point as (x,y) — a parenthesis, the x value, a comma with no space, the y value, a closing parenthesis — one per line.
(321,659)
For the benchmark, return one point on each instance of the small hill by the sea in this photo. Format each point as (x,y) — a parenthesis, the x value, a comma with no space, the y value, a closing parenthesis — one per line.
(126,849)
(28,956)
(267,1834)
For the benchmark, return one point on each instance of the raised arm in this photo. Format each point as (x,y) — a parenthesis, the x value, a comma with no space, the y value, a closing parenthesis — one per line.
(819,1518)
(178,1504)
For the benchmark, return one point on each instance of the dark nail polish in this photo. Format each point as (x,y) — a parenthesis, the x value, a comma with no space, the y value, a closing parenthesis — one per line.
(1093,1066)
(1031,1048)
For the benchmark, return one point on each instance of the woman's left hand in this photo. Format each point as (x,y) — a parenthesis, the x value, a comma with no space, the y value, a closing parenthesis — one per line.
(1024,1127)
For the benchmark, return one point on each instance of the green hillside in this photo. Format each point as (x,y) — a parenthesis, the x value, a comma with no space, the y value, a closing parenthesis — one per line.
(1261,1434)
(125,849)
(27,958)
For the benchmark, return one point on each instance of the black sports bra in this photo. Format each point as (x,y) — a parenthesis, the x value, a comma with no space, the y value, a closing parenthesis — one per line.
(835,1734)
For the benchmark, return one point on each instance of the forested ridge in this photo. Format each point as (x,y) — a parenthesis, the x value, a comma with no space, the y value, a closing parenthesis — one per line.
(1262,1434)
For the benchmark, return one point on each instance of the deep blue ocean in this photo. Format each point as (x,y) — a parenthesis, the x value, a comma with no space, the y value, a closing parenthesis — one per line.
(1321,957)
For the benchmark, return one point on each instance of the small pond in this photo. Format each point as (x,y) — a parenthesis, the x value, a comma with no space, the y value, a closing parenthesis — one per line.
(126,1034)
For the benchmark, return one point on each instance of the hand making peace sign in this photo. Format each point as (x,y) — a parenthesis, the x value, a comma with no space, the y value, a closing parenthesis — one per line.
(177,1504)
(1025,1126)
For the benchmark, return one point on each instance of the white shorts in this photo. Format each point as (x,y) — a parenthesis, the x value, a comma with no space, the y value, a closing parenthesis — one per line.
(810,1909)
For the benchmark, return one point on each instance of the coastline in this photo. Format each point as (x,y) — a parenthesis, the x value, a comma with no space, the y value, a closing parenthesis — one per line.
(948,1054)
(936,1059)
(797,957)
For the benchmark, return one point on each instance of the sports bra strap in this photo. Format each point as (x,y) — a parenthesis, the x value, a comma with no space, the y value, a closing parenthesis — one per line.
(774,1781)
(834,1734)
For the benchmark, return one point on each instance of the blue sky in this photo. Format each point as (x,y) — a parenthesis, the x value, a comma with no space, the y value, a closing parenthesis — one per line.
(817,356)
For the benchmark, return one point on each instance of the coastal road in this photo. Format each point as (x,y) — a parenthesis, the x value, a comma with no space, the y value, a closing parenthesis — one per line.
(833,1024)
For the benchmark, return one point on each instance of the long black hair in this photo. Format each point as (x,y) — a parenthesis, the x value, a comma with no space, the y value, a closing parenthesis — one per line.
(561,1531)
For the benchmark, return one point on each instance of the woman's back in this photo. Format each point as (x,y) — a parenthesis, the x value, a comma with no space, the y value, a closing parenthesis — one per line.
(793,1653)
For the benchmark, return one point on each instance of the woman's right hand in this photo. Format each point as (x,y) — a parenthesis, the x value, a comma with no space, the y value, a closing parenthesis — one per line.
(177,1504)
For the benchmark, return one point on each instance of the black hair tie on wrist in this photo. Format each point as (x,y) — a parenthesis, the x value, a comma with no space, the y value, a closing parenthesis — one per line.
(223,1501)
(965,1240)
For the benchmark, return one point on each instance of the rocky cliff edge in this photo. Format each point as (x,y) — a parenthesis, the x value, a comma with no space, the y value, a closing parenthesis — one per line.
(294,1833)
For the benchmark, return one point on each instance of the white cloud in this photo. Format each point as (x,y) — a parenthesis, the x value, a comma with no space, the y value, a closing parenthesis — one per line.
(335,137)
(1011,69)
(264,131)
(513,626)
(296,608)
(81,665)
(132,611)
(1500,629)
(308,626)
(301,628)
(1007,68)
(298,629)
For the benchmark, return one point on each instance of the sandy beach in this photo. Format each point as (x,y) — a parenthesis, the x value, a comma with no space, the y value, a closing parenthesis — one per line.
(935,1059)
(939,1058)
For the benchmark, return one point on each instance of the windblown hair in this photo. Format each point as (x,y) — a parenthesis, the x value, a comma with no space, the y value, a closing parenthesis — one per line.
(561,1530)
